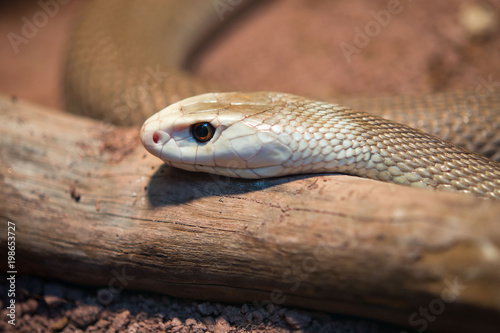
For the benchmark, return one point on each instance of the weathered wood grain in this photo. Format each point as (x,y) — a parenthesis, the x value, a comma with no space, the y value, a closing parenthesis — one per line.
(91,206)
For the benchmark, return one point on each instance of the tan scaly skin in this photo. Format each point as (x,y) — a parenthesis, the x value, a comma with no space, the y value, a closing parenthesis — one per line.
(266,134)
(125,62)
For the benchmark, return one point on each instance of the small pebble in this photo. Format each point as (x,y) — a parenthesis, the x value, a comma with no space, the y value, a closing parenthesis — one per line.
(191,322)
(59,323)
(121,321)
(205,309)
(85,315)
(221,326)
(176,322)
(232,313)
(209,322)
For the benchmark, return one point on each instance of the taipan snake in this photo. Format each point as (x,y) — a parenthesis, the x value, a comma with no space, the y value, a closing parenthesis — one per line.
(265,134)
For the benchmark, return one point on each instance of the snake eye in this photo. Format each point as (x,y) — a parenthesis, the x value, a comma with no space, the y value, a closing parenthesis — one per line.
(202,132)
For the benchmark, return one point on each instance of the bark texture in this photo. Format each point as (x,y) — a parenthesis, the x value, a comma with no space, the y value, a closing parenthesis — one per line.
(91,206)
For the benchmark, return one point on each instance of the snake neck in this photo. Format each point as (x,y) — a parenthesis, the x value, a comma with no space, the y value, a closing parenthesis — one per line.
(330,138)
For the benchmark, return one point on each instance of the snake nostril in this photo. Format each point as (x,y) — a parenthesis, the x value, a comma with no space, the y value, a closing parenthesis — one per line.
(156,137)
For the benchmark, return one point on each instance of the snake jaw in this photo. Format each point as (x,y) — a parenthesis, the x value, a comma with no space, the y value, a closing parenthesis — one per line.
(242,146)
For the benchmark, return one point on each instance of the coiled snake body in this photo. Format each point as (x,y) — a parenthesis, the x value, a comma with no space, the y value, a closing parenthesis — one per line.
(264,134)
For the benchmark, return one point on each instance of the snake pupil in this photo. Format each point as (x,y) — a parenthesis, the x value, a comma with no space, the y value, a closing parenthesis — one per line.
(203,132)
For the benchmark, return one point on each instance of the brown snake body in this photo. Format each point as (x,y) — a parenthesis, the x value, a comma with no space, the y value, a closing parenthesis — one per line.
(120,47)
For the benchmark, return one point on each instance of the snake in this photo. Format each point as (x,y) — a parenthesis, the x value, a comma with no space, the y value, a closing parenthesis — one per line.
(126,64)
(268,134)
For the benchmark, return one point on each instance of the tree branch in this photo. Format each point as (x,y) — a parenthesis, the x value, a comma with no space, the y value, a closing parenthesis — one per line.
(91,206)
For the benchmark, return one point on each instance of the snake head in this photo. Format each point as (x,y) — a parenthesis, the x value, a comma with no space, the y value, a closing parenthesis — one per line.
(221,133)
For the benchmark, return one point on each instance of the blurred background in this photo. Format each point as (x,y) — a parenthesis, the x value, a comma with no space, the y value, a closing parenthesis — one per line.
(317,48)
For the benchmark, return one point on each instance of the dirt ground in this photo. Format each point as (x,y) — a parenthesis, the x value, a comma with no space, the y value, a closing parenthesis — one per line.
(316,48)
(48,306)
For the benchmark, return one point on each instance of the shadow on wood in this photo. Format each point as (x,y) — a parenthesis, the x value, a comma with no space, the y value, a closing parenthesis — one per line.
(91,206)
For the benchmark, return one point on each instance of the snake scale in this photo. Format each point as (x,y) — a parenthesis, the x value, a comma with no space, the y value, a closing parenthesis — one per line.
(266,134)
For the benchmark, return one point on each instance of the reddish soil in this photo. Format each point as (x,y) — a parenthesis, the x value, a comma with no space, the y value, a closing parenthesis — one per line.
(317,48)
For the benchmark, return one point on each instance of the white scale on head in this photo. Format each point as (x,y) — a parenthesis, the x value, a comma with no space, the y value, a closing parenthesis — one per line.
(242,145)
(254,135)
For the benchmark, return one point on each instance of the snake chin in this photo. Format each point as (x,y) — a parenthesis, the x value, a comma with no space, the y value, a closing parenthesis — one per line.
(234,172)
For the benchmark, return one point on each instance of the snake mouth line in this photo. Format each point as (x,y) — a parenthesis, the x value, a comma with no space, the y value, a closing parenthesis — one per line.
(229,171)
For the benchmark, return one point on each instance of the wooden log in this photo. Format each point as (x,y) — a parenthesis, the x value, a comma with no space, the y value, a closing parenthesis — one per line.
(91,206)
